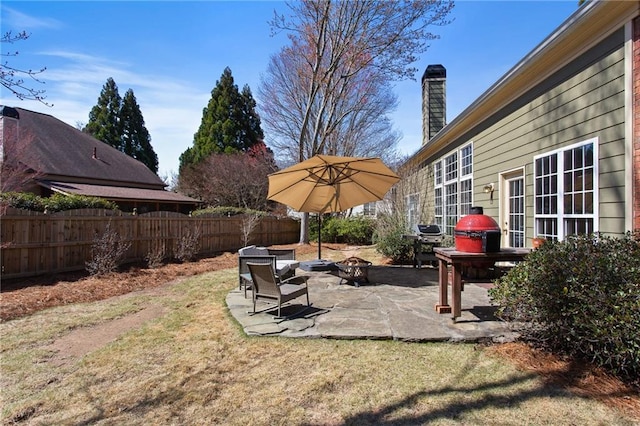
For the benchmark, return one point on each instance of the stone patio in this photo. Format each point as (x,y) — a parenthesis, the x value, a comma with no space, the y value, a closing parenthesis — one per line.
(399,304)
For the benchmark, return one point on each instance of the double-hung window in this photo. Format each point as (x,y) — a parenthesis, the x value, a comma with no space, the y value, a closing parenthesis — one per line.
(369,209)
(437,175)
(453,187)
(565,185)
(450,192)
(413,210)
(466,184)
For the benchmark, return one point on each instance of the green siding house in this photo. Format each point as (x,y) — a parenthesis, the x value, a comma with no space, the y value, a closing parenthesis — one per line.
(553,147)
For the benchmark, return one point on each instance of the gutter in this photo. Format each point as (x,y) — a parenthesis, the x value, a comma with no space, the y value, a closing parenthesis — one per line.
(499,94)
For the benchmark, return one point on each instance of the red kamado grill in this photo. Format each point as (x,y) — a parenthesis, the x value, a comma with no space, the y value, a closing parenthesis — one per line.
(477,233)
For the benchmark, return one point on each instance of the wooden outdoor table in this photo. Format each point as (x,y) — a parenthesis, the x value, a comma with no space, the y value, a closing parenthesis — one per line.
(450,256)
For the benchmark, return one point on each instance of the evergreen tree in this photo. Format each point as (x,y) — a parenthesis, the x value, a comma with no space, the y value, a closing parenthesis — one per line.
(136,141)
(119,123)
(104,122)
(229,124)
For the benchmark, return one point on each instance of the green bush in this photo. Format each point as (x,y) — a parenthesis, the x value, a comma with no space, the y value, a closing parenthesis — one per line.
(580,297)
(23,200)
(60,202)
(352,230)
(389,241)
(225,211)
(57,202)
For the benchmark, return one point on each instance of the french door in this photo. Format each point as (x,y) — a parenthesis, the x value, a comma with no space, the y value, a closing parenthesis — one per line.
(513,218)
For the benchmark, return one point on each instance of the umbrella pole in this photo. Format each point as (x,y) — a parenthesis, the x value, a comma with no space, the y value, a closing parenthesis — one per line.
(319,237)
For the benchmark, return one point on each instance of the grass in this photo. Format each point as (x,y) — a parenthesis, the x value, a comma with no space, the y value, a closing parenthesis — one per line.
(194,365)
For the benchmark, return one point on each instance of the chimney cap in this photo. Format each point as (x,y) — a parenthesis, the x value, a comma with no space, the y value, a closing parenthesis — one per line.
(6,111)
(435,71)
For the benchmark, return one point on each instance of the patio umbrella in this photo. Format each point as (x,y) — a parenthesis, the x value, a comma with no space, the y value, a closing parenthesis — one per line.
(325,184)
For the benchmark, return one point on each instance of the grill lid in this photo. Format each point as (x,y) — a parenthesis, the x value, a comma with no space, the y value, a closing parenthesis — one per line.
(429,229)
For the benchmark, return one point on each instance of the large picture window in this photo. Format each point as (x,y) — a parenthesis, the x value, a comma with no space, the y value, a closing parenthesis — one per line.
(453,190)
(413,210)
(565,185)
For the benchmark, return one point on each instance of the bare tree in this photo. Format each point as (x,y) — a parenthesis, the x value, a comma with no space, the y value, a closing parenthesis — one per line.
(356,125)
(238,180)
(12,78)
(249,223)
(19,163)
(329,90)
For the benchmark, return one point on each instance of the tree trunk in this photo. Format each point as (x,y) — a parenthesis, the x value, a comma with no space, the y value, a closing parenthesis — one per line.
(304,229)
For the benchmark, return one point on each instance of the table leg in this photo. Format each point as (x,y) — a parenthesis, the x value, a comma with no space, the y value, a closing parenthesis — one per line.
(456,297)
(443,282)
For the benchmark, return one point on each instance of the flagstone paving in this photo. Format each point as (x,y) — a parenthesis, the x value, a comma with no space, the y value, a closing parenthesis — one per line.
(399,304)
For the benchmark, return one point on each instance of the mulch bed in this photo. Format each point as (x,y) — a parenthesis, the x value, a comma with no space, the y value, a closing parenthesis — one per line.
(21,297)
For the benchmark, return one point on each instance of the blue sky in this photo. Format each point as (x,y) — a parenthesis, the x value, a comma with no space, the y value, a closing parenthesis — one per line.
(171,53)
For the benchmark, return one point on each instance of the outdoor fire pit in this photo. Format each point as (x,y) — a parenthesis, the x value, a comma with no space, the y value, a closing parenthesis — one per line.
(354,269)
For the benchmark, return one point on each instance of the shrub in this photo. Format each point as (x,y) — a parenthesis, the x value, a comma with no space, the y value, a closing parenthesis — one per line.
(248,225)
(580,297)
(57,202)
(23,200)
(157,254)
(389,241)
(221,211)
(351,230)
(357,230)
(188,245)
(60,202)
(107,252)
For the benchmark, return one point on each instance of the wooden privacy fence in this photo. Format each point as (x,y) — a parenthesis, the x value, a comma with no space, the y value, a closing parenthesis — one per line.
(36,243)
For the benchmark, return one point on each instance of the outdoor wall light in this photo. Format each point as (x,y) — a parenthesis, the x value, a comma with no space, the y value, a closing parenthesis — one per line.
(488,189)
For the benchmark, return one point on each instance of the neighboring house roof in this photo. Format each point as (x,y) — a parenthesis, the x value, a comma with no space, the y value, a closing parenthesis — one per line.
(116,192)
(591,23)
(57,149)
(70,161)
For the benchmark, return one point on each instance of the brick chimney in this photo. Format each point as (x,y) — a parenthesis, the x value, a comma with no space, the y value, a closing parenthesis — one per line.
(434,106)
(9,128)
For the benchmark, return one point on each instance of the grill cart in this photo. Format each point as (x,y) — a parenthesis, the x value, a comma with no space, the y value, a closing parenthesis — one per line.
(425,238)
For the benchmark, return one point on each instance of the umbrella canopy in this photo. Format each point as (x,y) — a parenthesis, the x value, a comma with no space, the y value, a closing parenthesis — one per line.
(325,183)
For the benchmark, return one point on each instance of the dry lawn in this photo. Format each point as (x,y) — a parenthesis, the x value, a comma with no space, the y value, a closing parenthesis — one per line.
(166,351)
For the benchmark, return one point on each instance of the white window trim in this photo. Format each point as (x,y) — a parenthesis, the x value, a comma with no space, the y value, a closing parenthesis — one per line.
(560,216)
(460,177)
(417,207)
(503,179)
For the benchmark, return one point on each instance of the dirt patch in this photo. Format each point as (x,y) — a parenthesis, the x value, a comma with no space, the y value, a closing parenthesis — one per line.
(84,340)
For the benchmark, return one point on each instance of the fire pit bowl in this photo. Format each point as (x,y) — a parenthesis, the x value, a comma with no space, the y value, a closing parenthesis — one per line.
(354,269)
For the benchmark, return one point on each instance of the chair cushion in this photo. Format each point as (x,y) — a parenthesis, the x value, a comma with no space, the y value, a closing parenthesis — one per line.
(291,291)
(253,251)
(284,266)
